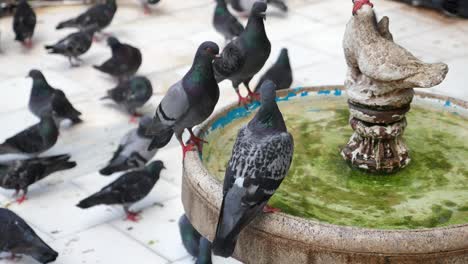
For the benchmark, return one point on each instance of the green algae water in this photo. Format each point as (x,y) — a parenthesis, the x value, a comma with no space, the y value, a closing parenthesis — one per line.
(432,191)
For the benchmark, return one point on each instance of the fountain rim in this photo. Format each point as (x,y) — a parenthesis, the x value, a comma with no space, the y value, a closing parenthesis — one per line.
(323,235)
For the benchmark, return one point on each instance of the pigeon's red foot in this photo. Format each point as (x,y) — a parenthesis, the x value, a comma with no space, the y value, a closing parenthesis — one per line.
(13,257)
(147,10)
(27,43)
(96,39)
(197,141)
(244,101)
(254,96)
(21,199)
(134,118)
(187,148)
(268,209)
(133,217)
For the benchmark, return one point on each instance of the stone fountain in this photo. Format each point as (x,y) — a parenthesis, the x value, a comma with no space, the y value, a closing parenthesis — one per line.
(333,212)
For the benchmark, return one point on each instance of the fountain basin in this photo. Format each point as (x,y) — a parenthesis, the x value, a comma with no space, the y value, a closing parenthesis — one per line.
(298,236)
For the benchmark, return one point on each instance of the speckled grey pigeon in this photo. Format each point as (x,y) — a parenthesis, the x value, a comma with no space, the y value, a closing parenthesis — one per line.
(243,57)
(188,103)
(131,94)
(260,160)
(204,253)
(19,238)
(127,189)
(73,45)
(19,174)
(132,152)
(245,6)
(33,140)
(124,62)
(46,100)
(280,73)
(190,236)
(24,23)
(225,23)
(100,15)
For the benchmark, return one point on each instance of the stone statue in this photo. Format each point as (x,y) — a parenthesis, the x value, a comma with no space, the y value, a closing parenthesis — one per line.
(380,83)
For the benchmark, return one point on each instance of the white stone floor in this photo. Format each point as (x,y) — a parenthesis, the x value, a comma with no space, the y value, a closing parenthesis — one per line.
(168,39)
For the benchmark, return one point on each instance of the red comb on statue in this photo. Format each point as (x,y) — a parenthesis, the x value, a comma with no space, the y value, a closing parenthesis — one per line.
(360,3)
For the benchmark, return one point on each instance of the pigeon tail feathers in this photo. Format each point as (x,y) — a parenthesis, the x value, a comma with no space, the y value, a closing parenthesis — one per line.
(161,134)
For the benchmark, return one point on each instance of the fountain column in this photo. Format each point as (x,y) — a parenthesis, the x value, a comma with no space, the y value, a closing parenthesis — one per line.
(380,81)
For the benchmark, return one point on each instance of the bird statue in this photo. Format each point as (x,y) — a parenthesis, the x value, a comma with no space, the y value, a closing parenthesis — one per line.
(244,7)
(225,23)
(260,160)
(46,100)
(129,188)
(19,238)
(74,45)
(24,23)
(124,62)
(99,15)
(187,103)
(131,94)
(33,140)
(195,244)
(20,174)
(280,73)
(245,56)
(132,152)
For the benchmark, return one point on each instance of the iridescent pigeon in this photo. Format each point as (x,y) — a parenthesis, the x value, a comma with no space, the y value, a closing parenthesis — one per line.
(99,15)
(260,160)
(124,62)
(280,73)
(128,189)
(20,174)
(24,23)
(33,140)
(190,236)
(243,57)
(132,152)
(225,23)
(19,238)
(73,45)
(187,103)
(131,94)
(46,100)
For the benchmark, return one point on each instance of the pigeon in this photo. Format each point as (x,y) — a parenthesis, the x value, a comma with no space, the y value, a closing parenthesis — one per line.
(188,103)
(190,236)
(19,238)
(132,152)
(131,94)
(33,140)
(99,15)
(204,252)
(129,188)
(19,174)
(243,57)
(124,62)
(280,73)
(73,45)
(146,3)
(225,23)
(46,100)
(24,23)
(260,160)
(245,6)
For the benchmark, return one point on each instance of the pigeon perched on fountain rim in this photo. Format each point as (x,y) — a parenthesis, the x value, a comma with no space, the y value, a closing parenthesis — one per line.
(20,174)
(33,140)
(245,56)
(24,23)
(260,160)
(124,62)
(100,15)
(129,188)
(280,73)
(46,100)
(132,152)
(19,238)
(188,102)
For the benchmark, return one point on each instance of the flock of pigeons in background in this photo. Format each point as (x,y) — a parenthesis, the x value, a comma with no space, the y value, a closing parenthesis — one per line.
(261,155)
